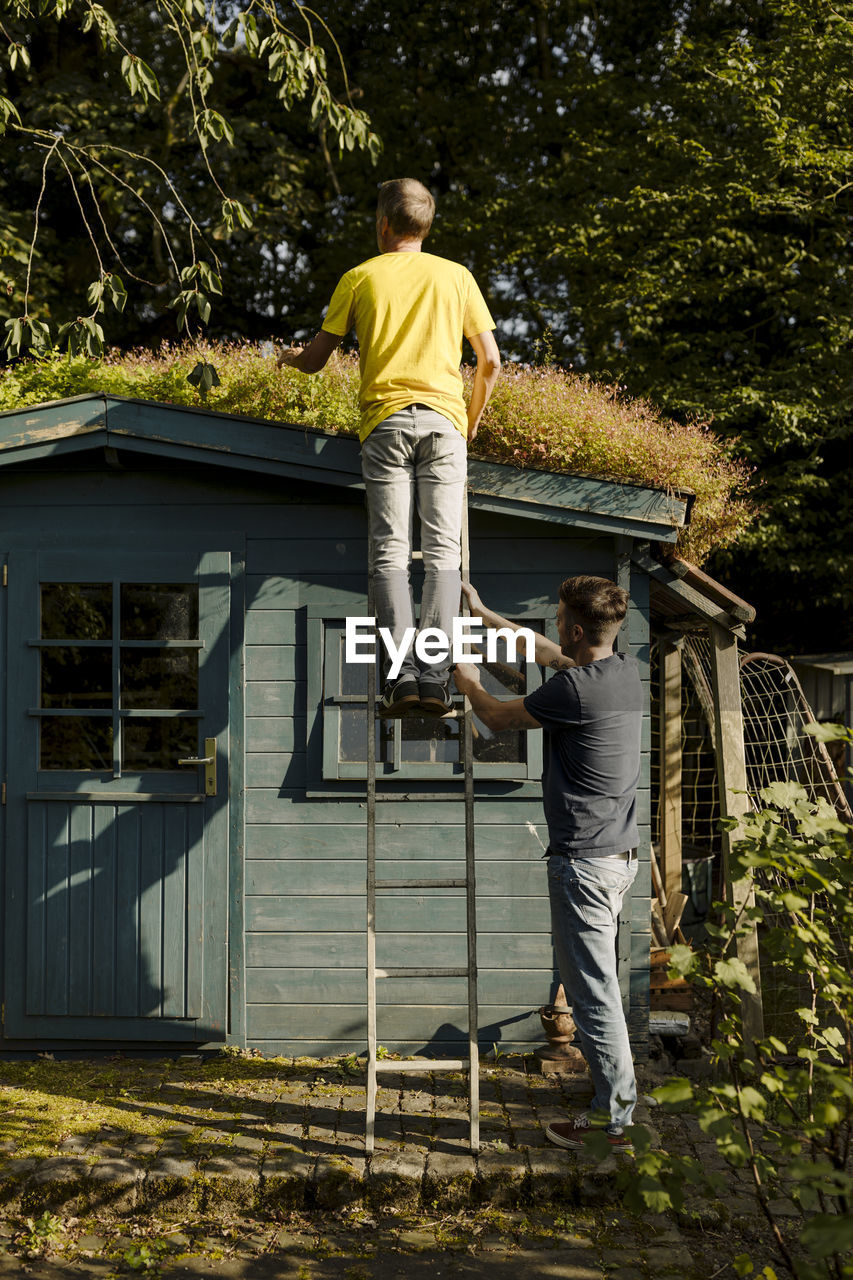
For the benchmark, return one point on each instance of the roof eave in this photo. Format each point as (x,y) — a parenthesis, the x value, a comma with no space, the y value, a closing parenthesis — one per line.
(246,443)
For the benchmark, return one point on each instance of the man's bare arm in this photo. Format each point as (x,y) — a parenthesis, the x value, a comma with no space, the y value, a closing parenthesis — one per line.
(548,654)
(493,712)
(485,377)
(313,358)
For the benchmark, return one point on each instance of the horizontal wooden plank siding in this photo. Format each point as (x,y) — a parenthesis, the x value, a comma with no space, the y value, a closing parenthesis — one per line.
(273,806)
(436,840)
(305,877)
(338,554)
(429,912)
(347,950)
(302,892)
(289,985)
(505,1025)
(305,840)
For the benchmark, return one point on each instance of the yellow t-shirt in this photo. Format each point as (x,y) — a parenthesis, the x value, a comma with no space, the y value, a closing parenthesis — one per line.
(410,311)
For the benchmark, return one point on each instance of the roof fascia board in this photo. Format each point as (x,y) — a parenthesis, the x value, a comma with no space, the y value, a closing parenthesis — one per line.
(80,442)
(234,437)
(94,397)
(51,429)
(570,517)
(686,596)
(578,494)
(600,504)
(351,480)
(238,462)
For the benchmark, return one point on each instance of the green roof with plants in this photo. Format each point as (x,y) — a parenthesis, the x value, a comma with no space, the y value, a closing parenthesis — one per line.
(539,416)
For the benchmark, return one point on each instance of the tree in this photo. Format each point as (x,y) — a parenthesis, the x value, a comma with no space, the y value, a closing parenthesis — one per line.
(655,193)
(659,195)
(131,175)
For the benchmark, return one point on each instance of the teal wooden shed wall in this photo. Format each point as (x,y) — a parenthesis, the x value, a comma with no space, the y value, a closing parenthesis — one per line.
(296,903)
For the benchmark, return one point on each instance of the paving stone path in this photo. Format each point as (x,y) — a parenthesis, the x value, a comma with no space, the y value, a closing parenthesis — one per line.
(266,1176)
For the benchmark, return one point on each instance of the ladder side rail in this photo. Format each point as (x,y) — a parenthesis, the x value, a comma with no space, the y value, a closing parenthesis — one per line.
(471,885)
(370,718)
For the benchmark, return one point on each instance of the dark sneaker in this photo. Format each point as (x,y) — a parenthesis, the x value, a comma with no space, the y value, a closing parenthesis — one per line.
(435,697)
(573,1135)
(398,699)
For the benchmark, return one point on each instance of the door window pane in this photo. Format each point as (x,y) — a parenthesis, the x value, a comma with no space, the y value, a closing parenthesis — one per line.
(73,677)
(76,742)
(76,610)
(158,743)
(166,679)
(159,611)
(160,676)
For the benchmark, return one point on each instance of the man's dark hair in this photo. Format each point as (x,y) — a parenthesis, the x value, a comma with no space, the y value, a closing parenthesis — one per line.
(598,604)
(408,206)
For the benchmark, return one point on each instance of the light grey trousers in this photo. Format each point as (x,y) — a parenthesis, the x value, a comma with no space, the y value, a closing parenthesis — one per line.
(416,459)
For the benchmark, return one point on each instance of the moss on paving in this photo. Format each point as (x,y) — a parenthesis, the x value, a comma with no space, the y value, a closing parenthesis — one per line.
(300,1238)
(45,1102)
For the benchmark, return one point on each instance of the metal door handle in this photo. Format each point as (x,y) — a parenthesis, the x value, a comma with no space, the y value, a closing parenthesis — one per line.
(209,762)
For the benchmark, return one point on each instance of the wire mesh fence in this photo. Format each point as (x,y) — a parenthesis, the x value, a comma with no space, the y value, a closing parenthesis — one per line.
(777,749)
(700,801)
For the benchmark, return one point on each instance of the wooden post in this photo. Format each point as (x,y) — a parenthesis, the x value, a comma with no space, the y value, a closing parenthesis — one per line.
(670,766)
(734,803)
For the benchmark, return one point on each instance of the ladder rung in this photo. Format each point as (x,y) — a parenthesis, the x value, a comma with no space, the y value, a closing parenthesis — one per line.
(421,884)
(421,973)
(424,1064)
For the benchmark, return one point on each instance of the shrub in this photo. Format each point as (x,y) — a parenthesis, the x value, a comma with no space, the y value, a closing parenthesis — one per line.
(780,1109)
(537,417)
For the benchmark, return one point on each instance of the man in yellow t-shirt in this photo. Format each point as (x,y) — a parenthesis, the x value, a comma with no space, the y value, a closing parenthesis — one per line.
(410,311)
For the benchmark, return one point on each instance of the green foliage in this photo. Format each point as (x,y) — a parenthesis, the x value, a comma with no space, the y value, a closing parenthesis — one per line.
(41,1232)
(118,126)
(145,1257)
(538,417)
(658,193)
(782,1109)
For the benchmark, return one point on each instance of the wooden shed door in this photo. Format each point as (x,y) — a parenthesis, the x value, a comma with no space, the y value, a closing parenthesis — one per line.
(116,853)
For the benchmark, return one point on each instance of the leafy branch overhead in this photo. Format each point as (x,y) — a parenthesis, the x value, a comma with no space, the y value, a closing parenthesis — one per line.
(136,153)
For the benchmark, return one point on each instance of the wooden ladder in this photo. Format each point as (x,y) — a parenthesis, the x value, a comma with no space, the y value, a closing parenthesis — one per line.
(375,1065)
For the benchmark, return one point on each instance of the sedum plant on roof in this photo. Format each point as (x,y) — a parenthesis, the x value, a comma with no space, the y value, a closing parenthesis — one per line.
(538,417)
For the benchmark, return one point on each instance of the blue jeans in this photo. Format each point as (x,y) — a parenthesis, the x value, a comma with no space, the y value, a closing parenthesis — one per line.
(416,457)
(586,897)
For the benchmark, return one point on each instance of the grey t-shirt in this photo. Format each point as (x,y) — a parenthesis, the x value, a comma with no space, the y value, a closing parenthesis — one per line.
(591,716)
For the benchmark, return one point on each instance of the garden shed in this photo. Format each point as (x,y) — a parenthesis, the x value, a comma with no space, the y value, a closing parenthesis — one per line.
(183,748)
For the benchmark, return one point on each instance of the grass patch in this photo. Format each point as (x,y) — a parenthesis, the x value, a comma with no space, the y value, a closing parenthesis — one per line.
(539,418)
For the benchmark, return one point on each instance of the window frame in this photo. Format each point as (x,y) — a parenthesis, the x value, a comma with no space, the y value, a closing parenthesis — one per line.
(115,645)
(323,723)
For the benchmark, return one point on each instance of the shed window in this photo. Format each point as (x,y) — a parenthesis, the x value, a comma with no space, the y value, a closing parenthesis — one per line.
(118,676)
(421,746)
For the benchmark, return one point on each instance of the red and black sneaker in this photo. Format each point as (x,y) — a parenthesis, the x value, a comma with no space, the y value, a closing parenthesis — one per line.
(574,1134)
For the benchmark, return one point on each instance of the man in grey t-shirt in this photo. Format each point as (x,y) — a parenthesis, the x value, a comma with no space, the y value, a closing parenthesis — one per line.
(591,711)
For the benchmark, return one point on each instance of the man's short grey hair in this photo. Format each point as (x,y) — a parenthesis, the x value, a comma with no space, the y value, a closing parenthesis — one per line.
(408,206)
